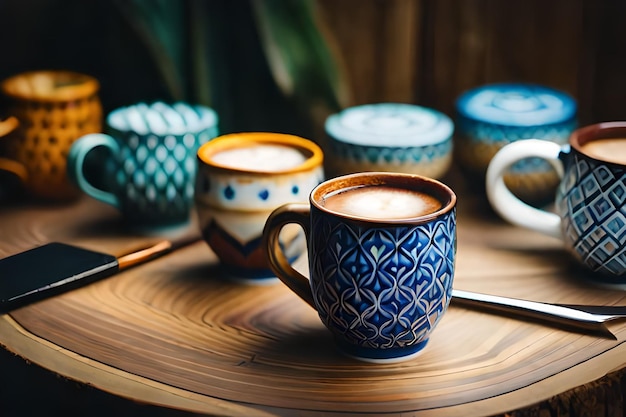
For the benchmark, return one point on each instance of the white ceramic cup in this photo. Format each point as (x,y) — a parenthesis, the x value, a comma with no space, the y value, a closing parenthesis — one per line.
(590,211)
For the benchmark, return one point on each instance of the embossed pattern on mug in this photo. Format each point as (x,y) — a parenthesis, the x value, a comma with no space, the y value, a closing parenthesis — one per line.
(593,195)
(156,170)
(480,141)
(402,273)
(376,155)
(158,175)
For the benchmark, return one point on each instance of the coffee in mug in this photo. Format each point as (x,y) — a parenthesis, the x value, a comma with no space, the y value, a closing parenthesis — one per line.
(381,251)
(260,157)
(380,202)
(610,150)
(590,200)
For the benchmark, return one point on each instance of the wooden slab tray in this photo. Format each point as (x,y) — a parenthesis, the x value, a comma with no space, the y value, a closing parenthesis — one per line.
(175,333)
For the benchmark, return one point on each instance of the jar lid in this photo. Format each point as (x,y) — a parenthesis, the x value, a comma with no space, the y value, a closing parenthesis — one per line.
(389,124)
(516,105)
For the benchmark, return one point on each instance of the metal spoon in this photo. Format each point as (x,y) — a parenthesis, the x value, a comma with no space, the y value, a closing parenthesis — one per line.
(588,319)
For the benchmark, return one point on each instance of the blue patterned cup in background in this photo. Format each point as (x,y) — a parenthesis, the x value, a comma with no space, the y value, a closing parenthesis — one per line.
(242,178)
(590,211)
(492,116)
(390,137)
(149,169)
(381,250)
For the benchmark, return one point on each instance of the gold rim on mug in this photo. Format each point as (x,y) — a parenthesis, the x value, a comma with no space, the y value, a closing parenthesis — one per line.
(429,186)
(312,152)
(50,86)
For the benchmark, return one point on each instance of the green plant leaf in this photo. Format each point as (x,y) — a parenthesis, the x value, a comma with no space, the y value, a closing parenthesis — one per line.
(161,26)
(298,54)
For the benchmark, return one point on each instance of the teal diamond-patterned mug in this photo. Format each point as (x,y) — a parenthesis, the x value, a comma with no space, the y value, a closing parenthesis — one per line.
(149,165)
(590,200)
(381,249)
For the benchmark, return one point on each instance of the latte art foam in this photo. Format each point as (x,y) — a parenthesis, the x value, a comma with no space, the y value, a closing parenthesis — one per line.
(260,157)
(610,149)
(382,202)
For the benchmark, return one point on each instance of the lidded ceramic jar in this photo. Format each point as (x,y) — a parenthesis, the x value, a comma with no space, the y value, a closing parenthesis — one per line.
(392,137)
(491,116)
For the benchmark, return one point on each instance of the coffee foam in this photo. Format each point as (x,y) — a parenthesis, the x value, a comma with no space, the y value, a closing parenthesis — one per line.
(609,149)
(260,157)
(382,202)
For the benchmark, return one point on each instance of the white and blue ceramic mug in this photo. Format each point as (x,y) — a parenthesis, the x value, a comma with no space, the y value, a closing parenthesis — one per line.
(242,178)
(381,250)
(590,206)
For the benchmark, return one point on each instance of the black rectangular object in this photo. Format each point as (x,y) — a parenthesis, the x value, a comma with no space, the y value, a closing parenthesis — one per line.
(48,270)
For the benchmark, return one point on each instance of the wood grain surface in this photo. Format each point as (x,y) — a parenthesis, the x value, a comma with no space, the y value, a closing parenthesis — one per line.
(175,332)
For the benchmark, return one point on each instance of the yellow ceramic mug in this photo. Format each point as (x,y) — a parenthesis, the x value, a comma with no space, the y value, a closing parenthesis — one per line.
(7,126)
(49,111)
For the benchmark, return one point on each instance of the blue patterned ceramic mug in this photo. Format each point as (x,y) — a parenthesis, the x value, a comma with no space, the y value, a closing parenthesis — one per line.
(381,250)
(590,199)
(494,115)
(149,170)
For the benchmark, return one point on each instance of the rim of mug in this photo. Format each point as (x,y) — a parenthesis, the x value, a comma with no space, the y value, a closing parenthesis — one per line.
(313,153)
(447,196)
(364,136)
(87,86)
(209,116)
(603,130)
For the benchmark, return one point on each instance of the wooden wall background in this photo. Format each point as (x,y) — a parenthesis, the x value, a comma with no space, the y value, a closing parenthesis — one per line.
(418,51)
(429,51)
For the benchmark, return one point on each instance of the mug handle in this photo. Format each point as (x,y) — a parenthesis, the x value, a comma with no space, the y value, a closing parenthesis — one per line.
(7,126)
(507,205)
(14,167)
(289,213)
(76,160)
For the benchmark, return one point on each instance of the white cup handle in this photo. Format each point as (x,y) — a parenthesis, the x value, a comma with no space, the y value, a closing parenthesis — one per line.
(507,205)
